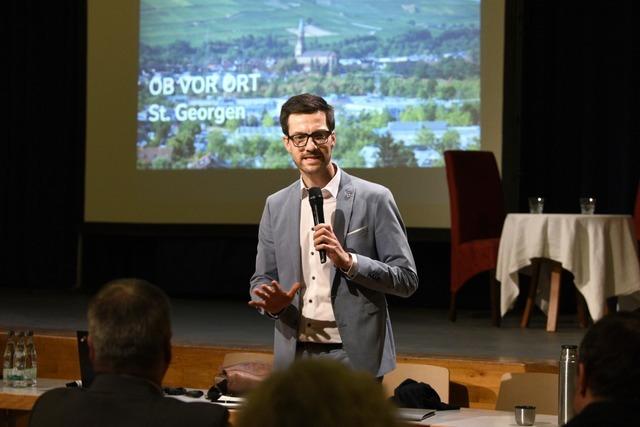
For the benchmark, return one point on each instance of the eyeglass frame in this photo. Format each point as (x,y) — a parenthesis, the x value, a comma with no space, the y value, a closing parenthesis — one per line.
(310,135)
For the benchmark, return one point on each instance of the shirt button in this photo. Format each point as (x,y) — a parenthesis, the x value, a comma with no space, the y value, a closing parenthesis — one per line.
(309,324)
(313,277)
(310,300)
(311,253)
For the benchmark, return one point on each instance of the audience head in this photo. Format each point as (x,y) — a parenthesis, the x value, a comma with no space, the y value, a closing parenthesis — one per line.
(317,393)
(609,360)
(130,329)
(305,103)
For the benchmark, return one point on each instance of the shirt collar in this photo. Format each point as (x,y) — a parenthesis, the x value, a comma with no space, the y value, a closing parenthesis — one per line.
(331,189)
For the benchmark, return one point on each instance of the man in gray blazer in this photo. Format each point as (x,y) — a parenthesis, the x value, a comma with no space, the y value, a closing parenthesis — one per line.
(336,308)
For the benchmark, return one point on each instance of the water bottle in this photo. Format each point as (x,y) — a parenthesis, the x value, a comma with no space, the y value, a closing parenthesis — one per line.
(31,371)
(567,382)
(7,364)
(19,363)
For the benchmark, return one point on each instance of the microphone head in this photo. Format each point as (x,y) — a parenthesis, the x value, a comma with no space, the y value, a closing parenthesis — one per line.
(316,200)
(315,195)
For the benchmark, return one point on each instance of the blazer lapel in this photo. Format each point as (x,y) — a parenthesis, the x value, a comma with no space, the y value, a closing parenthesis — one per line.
(291,230)
(344,205)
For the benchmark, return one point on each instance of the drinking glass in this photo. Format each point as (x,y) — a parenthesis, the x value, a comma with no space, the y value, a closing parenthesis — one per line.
(587,205)
(525,415)
(536,205)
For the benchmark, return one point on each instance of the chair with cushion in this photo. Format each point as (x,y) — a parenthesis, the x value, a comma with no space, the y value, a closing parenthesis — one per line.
(477,214)
(529,388)
(436,376)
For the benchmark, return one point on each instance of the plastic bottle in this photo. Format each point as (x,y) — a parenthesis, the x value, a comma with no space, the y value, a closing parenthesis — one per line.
(19,363)
(7,364)
(567,382)
(31,371)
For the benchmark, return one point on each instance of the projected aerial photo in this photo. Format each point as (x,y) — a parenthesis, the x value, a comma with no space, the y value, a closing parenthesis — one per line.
(403,76)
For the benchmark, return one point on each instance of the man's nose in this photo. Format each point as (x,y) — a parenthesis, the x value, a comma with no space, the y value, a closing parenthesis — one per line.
(311,145)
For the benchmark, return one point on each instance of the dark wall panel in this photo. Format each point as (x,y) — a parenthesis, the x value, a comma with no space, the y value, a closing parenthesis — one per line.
(42,143)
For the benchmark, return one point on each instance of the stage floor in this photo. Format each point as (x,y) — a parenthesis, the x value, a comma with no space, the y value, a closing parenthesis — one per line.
(231,323)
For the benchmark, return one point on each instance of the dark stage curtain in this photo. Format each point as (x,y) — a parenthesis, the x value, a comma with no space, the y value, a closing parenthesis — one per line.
(41,155)
(572,104)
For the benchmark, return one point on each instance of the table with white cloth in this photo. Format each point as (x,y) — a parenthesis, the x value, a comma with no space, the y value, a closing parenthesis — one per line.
(466,417)
(599,250)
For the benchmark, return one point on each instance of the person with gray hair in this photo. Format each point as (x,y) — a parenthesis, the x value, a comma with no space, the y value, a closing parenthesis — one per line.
(143,346)
(130,350)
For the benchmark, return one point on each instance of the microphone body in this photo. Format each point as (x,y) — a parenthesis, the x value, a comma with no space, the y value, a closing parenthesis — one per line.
(316,200)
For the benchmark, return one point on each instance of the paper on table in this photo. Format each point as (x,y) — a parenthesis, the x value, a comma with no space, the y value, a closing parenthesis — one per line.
(224,400)
(415,414)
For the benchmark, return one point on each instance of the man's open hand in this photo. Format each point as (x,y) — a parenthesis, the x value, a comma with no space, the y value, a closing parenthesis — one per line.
(274,299)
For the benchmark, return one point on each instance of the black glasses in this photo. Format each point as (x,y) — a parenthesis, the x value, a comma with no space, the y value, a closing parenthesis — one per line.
(319,137)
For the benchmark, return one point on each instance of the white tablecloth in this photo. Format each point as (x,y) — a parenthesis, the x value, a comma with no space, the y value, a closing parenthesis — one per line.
(466,417)
(600,251)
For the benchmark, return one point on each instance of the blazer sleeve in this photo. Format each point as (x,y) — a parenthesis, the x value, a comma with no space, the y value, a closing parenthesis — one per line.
(393,271)
(266,266)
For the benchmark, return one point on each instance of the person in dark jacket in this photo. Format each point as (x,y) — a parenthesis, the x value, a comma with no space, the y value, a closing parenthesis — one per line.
(608,385)
(130,350)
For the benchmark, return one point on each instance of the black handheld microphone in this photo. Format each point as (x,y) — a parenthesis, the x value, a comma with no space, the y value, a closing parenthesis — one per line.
(316,200)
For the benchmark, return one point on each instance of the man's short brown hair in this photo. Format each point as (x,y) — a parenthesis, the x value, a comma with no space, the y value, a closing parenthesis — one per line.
(306,103)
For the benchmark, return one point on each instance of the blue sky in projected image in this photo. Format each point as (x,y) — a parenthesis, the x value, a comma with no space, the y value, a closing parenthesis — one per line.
(404,78)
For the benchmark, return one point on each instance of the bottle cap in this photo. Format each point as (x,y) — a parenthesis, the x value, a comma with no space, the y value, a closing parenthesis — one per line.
(569,346)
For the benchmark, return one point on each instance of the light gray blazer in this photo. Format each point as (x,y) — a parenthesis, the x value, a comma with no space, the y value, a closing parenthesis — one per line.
(367,222)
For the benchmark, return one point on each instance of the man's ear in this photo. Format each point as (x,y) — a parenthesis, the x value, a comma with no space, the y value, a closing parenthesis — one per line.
(581,386)
(167,352)
(582,396)
(285,141)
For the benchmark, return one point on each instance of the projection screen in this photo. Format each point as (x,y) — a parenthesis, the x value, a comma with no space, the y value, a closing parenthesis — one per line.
(181,131)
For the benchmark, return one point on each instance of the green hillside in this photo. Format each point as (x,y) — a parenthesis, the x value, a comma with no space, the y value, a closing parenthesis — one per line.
(165,21)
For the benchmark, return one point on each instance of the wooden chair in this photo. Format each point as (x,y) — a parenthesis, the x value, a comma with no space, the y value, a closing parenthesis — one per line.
(477,215)
(529,388)
(436,376)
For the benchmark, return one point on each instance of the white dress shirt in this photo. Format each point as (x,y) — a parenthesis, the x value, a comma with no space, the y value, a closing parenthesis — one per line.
(318,323)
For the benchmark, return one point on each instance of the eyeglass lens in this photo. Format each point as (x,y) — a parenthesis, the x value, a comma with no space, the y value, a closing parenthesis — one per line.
(319,137)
